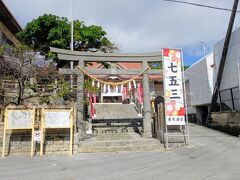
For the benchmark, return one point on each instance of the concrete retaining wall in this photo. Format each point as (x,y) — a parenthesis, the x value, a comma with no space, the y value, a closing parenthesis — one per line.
(227,122)
(56,142)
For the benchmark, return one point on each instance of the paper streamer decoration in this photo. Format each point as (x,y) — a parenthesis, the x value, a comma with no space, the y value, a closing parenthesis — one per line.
(109,89)
(129,86)
(111,83)
(104,88)
(116,89)
(98,84)
(93,83)
(121,88)
(134,84)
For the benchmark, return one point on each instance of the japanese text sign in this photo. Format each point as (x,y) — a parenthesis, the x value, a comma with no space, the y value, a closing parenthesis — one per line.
(173,87)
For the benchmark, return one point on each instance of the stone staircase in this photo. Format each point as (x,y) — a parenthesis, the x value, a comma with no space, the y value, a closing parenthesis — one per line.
(116,118)
(116,142)
(117,127)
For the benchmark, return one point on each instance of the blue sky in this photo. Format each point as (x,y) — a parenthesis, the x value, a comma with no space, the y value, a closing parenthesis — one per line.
(141,25)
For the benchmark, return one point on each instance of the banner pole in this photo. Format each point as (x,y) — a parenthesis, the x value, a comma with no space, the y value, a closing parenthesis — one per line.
(71,133)
(166,133)
(33,126)
(42,129)
(164,85)
(185,98)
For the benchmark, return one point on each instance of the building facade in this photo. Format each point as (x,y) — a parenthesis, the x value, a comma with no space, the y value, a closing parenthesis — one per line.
(9,27)
(201,78)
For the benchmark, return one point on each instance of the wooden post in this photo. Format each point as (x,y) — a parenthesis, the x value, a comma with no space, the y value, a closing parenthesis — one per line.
(71,132)
(42,131)
(33,123)
(4,132)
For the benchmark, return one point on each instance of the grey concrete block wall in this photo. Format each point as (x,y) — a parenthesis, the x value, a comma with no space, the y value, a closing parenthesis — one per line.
(228,122)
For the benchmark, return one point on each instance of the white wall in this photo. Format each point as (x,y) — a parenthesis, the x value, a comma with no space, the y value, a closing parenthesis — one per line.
(230,76)
(199,81)
(200,77)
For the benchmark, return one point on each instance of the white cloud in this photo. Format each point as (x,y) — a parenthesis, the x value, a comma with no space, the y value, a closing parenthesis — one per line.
(139,25)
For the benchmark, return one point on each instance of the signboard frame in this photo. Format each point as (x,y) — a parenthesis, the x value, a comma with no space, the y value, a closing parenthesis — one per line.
(6,128)
(43,127)
(185,125)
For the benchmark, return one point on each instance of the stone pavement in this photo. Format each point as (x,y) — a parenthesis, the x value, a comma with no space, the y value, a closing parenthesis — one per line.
(211,155)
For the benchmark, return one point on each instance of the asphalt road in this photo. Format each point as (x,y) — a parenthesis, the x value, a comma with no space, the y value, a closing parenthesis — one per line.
(211,155)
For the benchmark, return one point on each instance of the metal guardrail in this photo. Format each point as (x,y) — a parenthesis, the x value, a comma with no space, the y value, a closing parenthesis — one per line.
(229,99)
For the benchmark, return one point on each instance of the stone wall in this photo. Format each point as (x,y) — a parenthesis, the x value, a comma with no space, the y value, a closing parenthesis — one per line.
(228,122)
(56,142)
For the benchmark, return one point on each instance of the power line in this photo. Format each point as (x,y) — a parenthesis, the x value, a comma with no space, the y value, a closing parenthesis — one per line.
(201,5)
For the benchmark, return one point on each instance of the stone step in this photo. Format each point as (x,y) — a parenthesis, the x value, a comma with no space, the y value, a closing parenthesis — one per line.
(110,138)
(115,136)
(113,133)
(104,130)
(116,143)
(137,143)
(137,148)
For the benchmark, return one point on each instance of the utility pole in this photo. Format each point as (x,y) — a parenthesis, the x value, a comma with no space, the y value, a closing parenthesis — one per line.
(204,48)
(71,44)
(72,23)
(222,61)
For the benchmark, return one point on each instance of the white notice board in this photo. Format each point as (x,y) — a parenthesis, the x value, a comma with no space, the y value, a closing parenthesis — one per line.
(19,119)
(55,119)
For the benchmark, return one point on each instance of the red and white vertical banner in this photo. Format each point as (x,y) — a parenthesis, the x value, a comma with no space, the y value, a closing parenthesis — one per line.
(173,87)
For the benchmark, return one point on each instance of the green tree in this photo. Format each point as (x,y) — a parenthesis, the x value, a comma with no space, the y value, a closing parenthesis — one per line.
(185,67)
(51,30)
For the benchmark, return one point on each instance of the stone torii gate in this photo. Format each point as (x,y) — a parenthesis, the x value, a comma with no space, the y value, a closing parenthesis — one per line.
(81,57)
